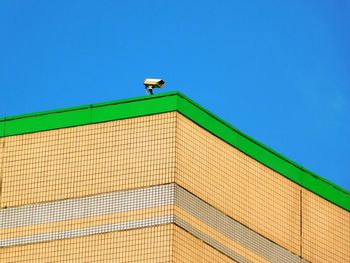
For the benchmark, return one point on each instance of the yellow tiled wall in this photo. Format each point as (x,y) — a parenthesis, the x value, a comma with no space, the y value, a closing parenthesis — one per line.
(167,243)
(155,150)
(207,230)
(87,160)
(1,165)
(86,222)
(326,230)
(187,248)
(151,244)
(238,185)
(2,140)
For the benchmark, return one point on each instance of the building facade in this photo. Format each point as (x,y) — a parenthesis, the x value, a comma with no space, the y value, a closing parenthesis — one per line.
(158,179)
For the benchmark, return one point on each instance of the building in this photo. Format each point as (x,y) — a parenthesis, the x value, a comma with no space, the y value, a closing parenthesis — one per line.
(159,179)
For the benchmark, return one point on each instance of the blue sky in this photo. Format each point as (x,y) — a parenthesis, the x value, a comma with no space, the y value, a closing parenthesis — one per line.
(277,70)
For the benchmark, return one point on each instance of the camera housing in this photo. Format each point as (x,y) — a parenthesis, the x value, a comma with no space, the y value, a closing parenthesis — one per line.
(154,83)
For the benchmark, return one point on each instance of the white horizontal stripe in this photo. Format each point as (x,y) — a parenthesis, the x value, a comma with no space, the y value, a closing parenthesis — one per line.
(232,228)
(140,199)
(209,240)
(87,206)
(87,231)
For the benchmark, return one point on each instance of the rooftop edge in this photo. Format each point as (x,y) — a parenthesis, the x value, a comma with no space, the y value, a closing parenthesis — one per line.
(175,101)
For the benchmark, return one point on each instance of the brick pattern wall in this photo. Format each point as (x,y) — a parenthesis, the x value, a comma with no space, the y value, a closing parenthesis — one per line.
(143,152)
(88,160)
(139,245)
(326,230)
(260,198)
(237,185)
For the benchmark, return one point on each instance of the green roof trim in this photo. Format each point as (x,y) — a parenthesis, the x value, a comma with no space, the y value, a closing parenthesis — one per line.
(175,101)
(87,114)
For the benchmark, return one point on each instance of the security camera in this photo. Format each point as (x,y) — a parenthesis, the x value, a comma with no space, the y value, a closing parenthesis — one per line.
(155,83)
(150,84)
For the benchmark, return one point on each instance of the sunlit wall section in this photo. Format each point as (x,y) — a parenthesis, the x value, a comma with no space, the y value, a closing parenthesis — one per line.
(156,188)
(303,225)
(89,159)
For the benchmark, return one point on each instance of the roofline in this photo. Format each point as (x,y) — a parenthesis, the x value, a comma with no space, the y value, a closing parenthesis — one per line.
(175,101)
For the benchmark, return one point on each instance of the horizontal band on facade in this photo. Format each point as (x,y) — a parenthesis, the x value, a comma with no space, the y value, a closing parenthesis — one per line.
(210,241)
(87,231)
(232,228)
(138,199)
(151,222)
(103,204)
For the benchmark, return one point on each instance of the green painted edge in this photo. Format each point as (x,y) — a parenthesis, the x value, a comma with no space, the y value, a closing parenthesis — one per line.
(35,114)
(88,114)
(47,122)
(165,94)
(264,154)
(144,107)
(2,127)
(175,101)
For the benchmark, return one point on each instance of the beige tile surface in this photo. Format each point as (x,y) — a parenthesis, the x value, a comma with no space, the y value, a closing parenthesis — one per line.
(87,160)
(1,163)
(214,234)
(153,150)
(139,245)
(167,243)
(326,230)
(187,248)
(86,222)
(237,185)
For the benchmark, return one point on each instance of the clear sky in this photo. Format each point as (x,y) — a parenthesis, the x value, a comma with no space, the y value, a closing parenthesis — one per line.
(277,70)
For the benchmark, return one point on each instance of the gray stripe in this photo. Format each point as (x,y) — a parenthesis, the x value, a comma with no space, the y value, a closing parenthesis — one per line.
(119,227)
(87,206)
(232,229)
(140,199)
(87,231)
(209,240)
